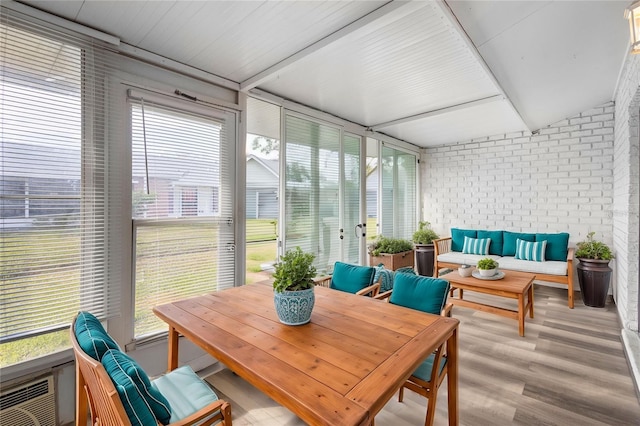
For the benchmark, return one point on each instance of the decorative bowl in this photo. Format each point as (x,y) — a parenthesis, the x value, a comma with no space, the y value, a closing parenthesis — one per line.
(465,272)
(487,272)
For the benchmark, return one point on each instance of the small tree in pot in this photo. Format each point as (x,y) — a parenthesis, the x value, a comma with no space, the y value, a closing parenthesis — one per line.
(594,272)
(423,240)
(293,287)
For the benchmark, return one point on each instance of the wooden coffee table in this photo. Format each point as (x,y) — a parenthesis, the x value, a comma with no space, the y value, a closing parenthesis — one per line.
(514,285)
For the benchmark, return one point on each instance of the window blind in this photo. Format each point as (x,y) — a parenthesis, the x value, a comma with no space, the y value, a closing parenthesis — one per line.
(54,229)
(399,197)
(182,186)
(312,189)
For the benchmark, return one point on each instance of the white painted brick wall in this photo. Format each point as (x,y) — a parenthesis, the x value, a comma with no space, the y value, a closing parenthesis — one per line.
(626,185)
(560,180)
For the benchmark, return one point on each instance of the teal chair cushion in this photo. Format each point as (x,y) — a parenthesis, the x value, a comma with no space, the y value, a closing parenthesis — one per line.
(385,276)
(424,370)
(92,337)
(421,293)
(457,237)
(509,241)
(185,391)
(142,401)
(351,278)
(557,245)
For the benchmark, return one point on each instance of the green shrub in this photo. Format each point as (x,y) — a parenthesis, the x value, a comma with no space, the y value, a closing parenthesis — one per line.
(389,245)
(295,271)
(592,249)
(424,234)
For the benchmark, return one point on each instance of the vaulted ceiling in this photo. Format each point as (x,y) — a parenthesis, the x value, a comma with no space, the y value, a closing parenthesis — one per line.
(428,72)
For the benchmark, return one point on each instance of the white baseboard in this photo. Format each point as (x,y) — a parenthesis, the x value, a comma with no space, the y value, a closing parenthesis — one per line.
(631,343)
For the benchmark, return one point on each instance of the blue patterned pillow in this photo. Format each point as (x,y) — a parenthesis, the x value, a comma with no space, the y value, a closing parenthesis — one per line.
(386,283)
(142,402)
(476,246)
(527,250)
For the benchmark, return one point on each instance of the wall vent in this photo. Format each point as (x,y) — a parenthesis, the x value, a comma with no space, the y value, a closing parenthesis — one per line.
(29,404)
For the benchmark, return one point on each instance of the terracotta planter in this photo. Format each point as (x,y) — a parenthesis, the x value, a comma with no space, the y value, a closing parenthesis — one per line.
(593,277)
(393,261)
(425,259)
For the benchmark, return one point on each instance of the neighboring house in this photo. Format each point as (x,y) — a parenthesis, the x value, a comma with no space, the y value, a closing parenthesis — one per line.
(179,186)
(262,187)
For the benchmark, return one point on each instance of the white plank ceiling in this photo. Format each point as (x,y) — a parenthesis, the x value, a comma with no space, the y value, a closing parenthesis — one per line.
(428,72)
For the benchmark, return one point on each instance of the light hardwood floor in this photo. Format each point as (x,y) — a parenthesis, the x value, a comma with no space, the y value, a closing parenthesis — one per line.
(569,369)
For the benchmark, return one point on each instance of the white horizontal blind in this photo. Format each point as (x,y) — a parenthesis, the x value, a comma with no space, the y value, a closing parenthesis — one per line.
(312,189)
(399,193)
(54,231)
(182,181)
(351,199)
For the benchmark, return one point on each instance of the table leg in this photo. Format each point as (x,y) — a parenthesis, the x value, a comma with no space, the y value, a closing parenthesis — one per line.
(452,380)
(521,314)
(531,301)
(173,348)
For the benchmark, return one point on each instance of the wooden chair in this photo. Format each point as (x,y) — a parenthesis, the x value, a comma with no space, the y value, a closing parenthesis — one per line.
(352,279)
(96,392)
(429,295)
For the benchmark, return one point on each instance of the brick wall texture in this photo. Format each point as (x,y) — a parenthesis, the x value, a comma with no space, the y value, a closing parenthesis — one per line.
(560,179)
(626,203)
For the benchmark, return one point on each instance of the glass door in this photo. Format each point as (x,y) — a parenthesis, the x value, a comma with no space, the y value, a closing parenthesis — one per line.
(352,231)
(322,206)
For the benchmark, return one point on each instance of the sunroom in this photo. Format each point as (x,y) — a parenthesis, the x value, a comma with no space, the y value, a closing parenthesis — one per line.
(155,151)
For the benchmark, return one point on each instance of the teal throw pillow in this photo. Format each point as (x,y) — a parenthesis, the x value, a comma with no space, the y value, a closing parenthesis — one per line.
(385,276)
(142,402)
(351,278)
(457,237)
(557,245)
(92,337)
(476,246)
(421,293)
(526,250)
(496,241)
(509,245)
(406,270)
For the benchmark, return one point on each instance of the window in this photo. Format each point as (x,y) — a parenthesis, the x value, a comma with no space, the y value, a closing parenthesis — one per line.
(181,204)
(53,225)
(262,188)
(399,193)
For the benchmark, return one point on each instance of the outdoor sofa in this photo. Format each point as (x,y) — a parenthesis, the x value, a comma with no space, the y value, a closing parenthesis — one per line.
(548,256)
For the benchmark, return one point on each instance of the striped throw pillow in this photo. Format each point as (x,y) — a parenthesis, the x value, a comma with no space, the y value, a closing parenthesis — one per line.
(528,250)
(476,246)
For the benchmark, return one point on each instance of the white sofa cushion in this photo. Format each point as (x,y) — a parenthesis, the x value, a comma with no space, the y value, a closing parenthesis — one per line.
(550,267)
(466,259)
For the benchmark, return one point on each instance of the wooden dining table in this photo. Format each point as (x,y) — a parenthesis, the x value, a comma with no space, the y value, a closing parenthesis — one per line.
(339,369)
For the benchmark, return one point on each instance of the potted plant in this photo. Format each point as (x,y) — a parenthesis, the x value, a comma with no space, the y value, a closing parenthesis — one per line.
(487,267)
(594,272)
(423,240)
(293,287)
(393,253)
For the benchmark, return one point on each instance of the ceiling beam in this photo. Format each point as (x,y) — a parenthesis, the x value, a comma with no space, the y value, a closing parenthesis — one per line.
(439,111)
(448,13)
(273,70)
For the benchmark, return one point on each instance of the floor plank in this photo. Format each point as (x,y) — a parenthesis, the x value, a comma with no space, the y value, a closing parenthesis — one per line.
(569,368)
